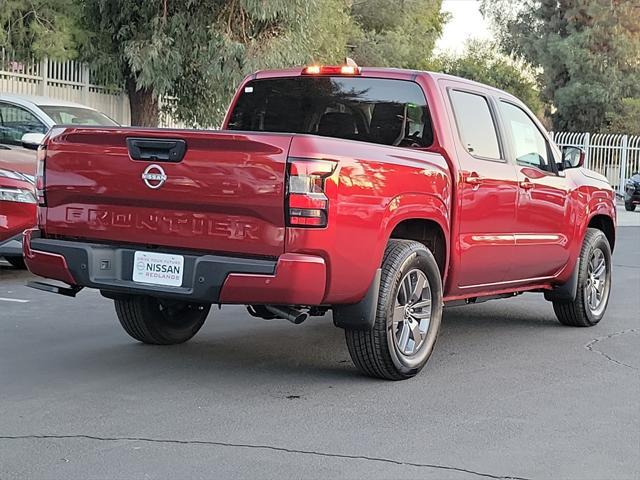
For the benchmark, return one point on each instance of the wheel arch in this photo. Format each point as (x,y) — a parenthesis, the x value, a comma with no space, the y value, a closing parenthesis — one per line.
(605,224)
(428,232)
(418,217)
(423,218)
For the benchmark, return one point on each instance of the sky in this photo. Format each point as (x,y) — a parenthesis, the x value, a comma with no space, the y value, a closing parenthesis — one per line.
(466,22)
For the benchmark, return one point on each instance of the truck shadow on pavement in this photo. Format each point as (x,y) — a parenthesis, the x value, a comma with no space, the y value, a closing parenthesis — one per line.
(258,352)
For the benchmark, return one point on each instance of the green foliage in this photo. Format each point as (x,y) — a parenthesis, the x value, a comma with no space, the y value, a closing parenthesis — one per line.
(482,62)
(589,52)
(626,119)
(198,51)
(396,34)
(195,52)
(38,28)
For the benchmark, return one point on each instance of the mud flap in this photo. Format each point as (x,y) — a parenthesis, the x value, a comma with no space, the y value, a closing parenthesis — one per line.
(361,315)
(567,291)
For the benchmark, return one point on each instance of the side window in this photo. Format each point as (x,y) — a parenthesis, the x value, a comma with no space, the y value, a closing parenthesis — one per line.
(475,124)
(15,122)
(528,142)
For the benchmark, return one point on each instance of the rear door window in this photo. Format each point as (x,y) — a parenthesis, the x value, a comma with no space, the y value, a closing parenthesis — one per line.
(475,124)
(384,111)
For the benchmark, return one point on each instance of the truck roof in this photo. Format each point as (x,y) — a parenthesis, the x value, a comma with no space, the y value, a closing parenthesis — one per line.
(385,72)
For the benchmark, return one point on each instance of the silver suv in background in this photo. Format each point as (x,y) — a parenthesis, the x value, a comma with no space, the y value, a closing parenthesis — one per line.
(24,120)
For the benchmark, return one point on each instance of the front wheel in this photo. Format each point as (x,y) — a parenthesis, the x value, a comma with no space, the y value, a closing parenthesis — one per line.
(594,283)
(159,321)
(408,315)
(629,207)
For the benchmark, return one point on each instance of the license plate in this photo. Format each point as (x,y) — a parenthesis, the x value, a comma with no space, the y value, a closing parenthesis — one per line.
(158,268)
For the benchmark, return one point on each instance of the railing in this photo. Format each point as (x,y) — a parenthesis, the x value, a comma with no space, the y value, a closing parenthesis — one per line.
(617,157)
(71,81)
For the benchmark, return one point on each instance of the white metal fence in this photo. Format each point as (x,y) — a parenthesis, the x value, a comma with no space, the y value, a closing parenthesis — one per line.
(617,157)
(71,81)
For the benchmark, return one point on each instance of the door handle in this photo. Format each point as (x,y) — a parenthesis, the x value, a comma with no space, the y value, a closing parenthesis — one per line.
(527,184)
(473,179)
(156,149)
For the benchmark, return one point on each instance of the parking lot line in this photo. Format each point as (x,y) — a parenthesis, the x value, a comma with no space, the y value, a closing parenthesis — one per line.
(16,300)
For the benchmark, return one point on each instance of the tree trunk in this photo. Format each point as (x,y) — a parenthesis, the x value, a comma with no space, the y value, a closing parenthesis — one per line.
(144,105)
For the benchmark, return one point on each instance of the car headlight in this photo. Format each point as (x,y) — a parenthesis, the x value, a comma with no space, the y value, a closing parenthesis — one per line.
(18,195)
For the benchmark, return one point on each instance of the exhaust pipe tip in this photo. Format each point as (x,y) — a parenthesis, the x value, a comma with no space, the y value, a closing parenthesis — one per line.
(299,319)
(293,315)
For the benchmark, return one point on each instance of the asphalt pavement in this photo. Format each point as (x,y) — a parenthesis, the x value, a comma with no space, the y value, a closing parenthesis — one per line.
(508,393)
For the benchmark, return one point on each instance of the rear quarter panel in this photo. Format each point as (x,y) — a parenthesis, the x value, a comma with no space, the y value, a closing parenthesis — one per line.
(374,188)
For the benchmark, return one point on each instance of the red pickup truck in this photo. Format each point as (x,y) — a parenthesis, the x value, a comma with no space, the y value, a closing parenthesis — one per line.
(378,194)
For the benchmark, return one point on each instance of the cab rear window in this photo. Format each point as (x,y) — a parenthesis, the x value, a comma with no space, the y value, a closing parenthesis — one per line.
(383,111)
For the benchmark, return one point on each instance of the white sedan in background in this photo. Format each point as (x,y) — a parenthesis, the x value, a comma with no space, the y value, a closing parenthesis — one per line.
(24,120)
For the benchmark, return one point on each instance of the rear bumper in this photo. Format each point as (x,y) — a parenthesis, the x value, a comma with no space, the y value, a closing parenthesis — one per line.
(291,280)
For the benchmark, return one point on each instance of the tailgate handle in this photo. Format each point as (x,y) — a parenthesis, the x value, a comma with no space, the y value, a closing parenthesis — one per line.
(156,149)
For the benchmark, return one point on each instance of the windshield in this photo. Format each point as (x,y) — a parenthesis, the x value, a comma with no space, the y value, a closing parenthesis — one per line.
(385,111)
(62,115)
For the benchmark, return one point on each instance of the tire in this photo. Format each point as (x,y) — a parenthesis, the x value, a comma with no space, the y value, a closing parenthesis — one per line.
(16,262)
(385,350)
(629,207)
(586,310)
(158,321)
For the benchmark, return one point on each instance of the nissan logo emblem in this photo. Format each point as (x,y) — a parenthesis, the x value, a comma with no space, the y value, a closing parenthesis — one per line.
(154,176)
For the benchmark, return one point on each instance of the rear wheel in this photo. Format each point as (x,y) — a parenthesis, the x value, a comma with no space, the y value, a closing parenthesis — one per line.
(159,321)
(594,283)
(16,262)
(629,207)
(408,315)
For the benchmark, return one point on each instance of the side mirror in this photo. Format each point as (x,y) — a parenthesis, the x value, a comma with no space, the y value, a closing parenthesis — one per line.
(572,157)
(32,140)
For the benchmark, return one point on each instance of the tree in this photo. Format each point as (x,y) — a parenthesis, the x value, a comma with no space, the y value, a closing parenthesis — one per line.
(482,62)
(196,51)
(396,34)
(193,53)
(38,28)
(588,50)
(626,119)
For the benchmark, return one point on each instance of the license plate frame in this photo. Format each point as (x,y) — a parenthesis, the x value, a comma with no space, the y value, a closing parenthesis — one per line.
(158,269)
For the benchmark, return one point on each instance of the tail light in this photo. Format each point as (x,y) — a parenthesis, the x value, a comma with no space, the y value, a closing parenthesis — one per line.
(41,157)
(307,203)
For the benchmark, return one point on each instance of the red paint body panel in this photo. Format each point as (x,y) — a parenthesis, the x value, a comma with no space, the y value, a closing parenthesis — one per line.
(15,217)
(45,264)
(228,196)
(298,280)
(373,189)
(17,158)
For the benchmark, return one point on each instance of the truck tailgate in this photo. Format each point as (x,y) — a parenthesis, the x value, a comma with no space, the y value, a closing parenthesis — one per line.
(225,195)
